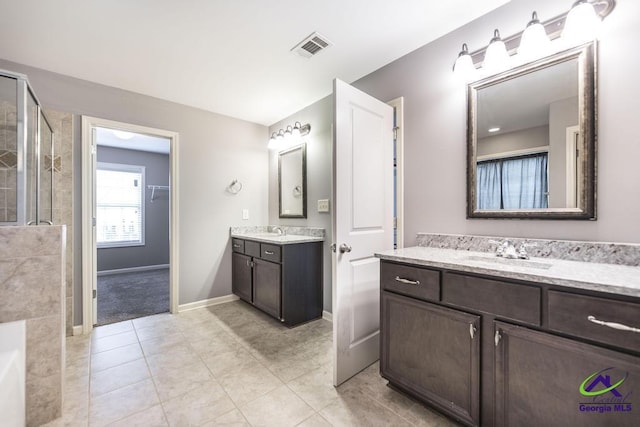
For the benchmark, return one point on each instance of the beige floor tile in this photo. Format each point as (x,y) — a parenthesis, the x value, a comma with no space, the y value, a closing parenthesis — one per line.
(355,408)
(117,377)
(421,416)
(249,383)
(202,404)
(162,344)
(278,408)
(174,358)
(152,417)
(115,357)
(112,329)
(316,420)
(316,388)
(233,418)
(175,382)
(216,344)
(229,362)
(155,331)
(113,341)
(156,319)
(121,403)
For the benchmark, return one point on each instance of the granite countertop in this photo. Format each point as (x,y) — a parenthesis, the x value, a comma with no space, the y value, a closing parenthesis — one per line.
(278,239)
(610,278)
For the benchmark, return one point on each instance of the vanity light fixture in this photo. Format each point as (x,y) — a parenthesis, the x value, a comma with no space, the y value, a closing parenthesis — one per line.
(582,23)
(497,58)
(534,43)
(290,136)
(464,68)
(577,26)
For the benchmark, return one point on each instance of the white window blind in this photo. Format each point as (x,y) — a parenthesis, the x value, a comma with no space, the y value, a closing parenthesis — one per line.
(120,205)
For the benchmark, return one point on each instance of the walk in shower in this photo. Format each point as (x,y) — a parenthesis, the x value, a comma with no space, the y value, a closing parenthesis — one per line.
(26,155)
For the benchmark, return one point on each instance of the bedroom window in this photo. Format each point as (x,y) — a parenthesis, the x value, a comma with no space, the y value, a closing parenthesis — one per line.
(119,205)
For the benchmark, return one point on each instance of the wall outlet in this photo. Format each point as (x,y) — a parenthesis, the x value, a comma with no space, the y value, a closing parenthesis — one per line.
(245,213)
(323,205)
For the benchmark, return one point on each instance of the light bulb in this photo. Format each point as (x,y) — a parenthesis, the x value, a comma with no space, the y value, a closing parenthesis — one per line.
(463,69)
(273,142)
(296,130)
(288,132)
(534,43)
(496,58)
(582,24)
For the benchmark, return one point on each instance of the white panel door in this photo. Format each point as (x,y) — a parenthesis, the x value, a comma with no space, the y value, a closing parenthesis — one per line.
(362,224)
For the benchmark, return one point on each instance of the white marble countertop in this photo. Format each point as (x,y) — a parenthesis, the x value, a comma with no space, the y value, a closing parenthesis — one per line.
(278,239)
(610,278)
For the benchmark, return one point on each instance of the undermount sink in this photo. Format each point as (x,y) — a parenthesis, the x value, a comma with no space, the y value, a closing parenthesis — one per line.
(510,261)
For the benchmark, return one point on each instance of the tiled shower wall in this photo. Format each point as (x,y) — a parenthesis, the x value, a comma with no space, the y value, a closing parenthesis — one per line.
(62,124)
(31,286)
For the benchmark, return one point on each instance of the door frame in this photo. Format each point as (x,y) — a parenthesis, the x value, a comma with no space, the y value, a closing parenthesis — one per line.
(398,106)
(89,266)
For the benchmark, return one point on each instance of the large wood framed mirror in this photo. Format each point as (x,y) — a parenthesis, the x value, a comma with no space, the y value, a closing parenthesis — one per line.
(531,141)
(292,182)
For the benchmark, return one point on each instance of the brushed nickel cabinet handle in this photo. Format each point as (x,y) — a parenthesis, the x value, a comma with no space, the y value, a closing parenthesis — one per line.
(472,330)
(269,253)
(613,325)
(407,281)
(497,338)
(236,245)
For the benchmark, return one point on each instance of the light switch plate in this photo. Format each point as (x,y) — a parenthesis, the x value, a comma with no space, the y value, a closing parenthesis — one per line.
(245,213)
(323,205)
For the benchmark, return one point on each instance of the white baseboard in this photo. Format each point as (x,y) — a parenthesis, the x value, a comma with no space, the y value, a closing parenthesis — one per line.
(77,330)
(133,269)
(207,303)
(327,316)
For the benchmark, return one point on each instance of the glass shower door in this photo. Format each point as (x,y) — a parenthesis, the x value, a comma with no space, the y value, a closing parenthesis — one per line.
(8,150)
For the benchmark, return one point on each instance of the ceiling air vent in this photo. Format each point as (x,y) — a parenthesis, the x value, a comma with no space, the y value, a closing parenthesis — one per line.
(311,46)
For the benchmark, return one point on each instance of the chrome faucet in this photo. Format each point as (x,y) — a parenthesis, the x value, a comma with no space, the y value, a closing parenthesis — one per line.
(506,249)
(278,230)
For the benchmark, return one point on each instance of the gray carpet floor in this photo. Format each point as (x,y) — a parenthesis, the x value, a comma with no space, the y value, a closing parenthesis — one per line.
(132,295)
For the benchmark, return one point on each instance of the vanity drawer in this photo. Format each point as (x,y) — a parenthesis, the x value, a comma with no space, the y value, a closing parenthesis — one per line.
(252,248)
(270,252)
(570,314)
(237,245)
(504,299)
(412,281)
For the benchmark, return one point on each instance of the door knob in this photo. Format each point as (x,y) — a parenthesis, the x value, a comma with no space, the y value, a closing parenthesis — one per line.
(345,248)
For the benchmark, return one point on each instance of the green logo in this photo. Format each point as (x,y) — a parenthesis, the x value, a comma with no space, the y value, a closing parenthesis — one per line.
(587,386)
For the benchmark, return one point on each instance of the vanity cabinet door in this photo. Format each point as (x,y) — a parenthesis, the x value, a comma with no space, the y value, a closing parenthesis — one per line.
(267,286)
(241,276)
(433,353)
(542,379)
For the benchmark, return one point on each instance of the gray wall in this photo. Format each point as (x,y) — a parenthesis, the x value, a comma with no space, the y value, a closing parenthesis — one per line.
(156,214)
(213,150)
(319,155)
(513,141)
(435,129)
(562,114)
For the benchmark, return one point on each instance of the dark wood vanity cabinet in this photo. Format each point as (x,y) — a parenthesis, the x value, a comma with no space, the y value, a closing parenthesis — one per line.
(494,352)
(415,336)
(284,281)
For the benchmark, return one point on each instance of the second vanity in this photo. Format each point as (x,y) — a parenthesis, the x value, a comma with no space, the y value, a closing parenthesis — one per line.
(493,341)
(280,274)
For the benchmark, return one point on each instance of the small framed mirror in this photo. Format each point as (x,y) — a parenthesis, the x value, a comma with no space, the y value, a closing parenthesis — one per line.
(531,142)
(292,182)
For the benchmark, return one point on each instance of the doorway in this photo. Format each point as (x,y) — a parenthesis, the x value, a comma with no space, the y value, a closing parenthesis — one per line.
(129,221)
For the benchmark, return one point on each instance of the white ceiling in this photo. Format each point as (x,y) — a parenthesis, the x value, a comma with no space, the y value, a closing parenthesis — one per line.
(227,56)
(133,141)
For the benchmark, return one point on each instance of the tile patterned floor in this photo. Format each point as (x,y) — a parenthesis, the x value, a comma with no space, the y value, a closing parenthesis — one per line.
(227,365)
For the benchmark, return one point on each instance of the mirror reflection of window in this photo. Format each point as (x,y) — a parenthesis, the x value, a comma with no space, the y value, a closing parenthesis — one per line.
(513,183)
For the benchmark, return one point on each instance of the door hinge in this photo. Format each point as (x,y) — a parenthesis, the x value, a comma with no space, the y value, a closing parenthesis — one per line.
(95,293)
(395,133)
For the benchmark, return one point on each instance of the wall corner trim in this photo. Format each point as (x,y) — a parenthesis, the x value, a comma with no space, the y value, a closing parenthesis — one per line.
(207,303)
(327,316)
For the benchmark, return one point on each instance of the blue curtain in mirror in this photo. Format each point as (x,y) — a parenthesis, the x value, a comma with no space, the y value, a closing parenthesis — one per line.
(513,183)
